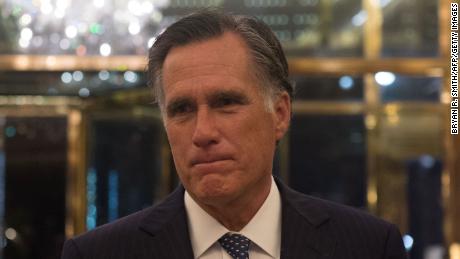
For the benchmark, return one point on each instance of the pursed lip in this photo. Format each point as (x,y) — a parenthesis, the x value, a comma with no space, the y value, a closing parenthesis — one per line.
(209,159)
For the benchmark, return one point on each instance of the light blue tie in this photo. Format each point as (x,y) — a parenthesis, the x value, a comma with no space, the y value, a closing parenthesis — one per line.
(236,245)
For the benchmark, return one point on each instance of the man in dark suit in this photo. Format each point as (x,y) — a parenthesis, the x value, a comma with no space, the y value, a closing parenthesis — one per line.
(221,82)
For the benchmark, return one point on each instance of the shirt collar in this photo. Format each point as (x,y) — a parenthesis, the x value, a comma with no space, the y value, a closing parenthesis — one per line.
(264,229)
(204,230)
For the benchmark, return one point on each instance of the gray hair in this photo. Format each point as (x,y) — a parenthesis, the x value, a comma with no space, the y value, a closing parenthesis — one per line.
(267,54)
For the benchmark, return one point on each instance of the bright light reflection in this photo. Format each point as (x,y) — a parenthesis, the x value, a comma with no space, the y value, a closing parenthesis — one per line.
(48,17)
(82,27)
(384,3)
(135,7)
(105,49)
(408,242)
(134,27)
(162,3)
(77,76)
(50,61)
(11,233)
(150,42)
(104,75)
(27,34)
(130,76)
(23,43)
(66,77)
(46,8)
(359,18)
(25,19)
(427,161)
(98,3)
(64,44)
(147,7)
(385,78)
(91,192)
(10,131)
(62,4)
(454,251)
(84,92)
(346,82)
(157,16)
(59,13)
(71,31)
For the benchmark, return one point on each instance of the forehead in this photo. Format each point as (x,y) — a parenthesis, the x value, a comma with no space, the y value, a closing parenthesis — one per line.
(221,58)
(228,48)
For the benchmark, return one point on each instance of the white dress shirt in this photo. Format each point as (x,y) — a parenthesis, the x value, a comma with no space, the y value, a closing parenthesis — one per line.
(264,230)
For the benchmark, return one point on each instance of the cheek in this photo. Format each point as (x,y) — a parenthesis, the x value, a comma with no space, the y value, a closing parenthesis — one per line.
(253,135)
(176,133)
(260,128)
(177,141)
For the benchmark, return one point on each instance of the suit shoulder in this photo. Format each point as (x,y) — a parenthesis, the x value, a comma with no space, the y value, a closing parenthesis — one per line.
(354,227)
(132,236)
(317,210)
(130,225)
(108,240)
(351,215)
(355,232)
(125,225)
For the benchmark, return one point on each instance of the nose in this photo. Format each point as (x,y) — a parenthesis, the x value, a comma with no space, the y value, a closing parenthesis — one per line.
(205,132)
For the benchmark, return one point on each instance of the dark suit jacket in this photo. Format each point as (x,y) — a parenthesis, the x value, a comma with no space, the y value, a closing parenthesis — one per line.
(311,229)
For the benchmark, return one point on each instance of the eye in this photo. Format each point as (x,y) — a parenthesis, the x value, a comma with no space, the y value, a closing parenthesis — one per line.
(179,108)
(226,101)
(182,109)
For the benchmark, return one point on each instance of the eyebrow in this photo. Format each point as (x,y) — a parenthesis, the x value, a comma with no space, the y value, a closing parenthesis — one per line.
(228,94)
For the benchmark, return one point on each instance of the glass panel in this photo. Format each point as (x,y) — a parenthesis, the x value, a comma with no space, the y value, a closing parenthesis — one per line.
(409,171)
(328,157)
(35,180)
(410,28)
(345,36)
(69,83)
(328,88)
(408,88)
(125,168)
(306,27)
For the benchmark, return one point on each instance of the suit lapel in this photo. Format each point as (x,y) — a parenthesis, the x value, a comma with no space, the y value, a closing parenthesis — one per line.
(306,229)
(167,224)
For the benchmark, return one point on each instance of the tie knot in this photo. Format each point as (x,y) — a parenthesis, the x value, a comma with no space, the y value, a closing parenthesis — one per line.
(236,245)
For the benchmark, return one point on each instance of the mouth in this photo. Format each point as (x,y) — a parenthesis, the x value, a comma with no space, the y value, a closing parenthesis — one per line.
(214,166)
(209,161)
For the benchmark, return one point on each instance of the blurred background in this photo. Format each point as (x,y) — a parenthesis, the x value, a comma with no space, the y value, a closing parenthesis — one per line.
(81,143)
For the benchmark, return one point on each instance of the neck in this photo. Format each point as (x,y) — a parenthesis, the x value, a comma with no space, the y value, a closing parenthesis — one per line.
(235,214)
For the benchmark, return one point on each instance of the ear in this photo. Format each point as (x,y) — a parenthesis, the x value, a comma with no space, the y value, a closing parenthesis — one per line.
(282,113)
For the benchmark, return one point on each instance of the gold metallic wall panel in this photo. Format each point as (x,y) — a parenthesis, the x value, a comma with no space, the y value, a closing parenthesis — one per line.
(76,173)
(325,107)
(391,191)
(24,100)
(68,62)
(298,66)
(357,66)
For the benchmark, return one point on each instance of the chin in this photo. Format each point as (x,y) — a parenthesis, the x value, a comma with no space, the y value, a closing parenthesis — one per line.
(212,191)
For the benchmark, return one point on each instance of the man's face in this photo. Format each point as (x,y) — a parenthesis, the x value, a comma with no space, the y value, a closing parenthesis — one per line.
(222,136)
